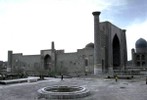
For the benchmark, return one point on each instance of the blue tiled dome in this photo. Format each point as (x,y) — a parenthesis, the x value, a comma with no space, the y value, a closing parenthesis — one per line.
(141,43)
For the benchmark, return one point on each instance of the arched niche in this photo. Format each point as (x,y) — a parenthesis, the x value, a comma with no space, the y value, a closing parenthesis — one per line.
(47,61)
(116,53)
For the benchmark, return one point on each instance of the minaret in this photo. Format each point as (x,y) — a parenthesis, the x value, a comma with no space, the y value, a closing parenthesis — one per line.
(97,49)
(133,52)
(53,47)
(53,56)
(9,64)
(125,48)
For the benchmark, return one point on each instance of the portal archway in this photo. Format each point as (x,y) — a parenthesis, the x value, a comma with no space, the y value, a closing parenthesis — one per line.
(47,62)
(116,52)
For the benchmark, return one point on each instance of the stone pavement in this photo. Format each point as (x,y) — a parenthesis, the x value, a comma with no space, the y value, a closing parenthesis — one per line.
(101,89)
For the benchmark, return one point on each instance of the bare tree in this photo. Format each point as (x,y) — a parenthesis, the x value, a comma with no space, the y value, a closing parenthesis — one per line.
(40,71)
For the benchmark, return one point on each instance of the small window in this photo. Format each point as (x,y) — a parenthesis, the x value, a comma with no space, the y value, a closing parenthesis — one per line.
(138,63)
(75,63)
(86,62)
(143,57)
(143,63)
(138,57)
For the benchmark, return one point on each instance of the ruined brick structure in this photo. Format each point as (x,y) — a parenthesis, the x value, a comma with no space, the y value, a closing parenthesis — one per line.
(106,54)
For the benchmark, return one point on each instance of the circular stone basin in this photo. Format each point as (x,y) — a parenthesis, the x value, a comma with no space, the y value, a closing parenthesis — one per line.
(63,92)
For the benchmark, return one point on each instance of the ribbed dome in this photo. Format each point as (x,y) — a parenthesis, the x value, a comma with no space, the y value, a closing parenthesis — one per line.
(141,43)
(90,45)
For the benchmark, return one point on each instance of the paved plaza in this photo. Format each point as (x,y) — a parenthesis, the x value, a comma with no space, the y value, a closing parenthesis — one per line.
(100,89)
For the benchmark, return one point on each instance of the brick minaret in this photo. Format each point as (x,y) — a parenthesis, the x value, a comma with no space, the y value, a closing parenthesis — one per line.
(97,49)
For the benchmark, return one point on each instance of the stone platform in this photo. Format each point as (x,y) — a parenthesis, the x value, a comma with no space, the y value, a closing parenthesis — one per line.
(14,81)
(100,88)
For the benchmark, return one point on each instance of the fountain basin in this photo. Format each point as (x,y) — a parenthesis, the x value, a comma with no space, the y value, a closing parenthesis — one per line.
(63,92)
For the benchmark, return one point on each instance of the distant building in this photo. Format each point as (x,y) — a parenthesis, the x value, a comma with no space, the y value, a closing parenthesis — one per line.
(3,67)
(139,55)
(107,54)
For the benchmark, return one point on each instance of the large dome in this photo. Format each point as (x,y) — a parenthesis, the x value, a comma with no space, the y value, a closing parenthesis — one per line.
(90,45)
(141,43)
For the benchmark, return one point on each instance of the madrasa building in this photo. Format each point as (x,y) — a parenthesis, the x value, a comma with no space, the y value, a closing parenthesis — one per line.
(139,55)
(107,54)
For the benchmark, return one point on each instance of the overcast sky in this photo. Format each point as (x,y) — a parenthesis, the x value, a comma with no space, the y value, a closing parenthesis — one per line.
(28,26)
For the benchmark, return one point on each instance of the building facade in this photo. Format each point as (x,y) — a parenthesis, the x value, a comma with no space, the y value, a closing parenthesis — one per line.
(107,54)
(139,55)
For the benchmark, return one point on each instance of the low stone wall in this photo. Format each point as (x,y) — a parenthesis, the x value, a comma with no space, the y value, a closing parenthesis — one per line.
(13,81)
(63,92)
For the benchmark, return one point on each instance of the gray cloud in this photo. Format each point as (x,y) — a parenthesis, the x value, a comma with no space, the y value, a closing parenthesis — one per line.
(125,14)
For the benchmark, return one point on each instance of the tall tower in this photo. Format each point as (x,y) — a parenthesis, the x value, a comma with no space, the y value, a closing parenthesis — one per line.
(52,45)
(125,48)
(53,56)
(9,64)
(97,49)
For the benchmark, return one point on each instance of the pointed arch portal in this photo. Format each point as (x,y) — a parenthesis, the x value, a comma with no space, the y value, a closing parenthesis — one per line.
(116,52)
(47,62)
